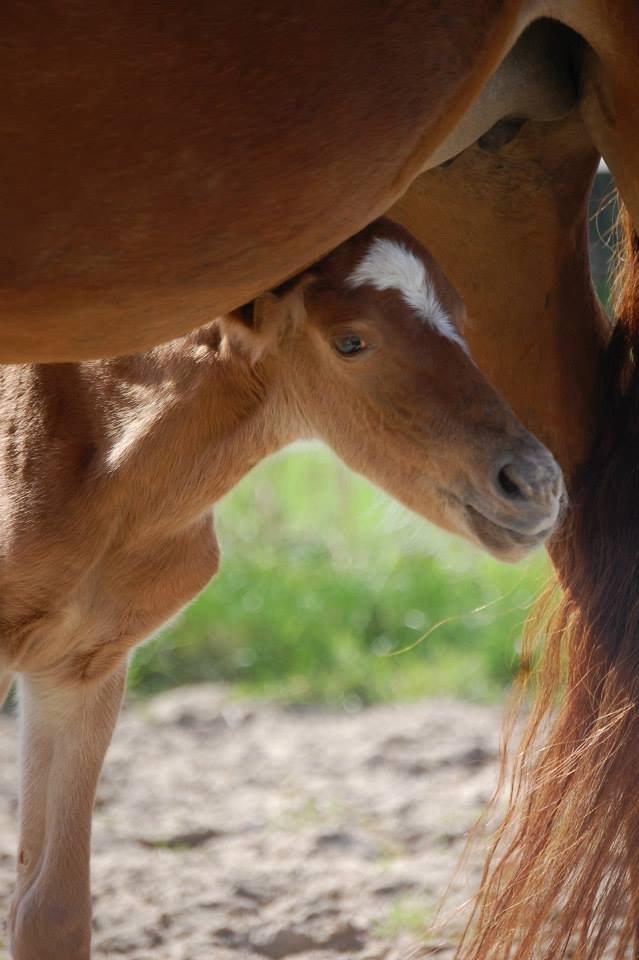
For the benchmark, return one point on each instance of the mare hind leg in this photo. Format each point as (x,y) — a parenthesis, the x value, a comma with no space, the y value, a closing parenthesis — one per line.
(65,733)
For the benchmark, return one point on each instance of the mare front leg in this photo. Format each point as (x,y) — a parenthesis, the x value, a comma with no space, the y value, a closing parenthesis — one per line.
(66,730)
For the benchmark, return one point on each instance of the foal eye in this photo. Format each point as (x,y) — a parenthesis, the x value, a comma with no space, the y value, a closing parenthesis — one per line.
(349,345)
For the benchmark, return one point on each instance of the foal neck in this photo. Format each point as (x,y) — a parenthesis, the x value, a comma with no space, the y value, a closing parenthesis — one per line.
(202,418)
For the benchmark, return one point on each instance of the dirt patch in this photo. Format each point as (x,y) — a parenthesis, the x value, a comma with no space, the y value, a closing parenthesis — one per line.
(243,831)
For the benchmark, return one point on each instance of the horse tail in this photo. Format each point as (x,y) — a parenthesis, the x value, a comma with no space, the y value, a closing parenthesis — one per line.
(562,875)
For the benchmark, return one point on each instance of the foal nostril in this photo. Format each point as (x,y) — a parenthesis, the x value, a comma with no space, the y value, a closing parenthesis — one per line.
(508,484)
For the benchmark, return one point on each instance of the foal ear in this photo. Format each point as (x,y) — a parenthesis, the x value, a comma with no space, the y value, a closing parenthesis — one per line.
(258,325)
(253,328)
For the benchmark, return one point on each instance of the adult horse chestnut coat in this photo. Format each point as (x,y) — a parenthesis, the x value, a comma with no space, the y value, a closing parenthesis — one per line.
(165,163)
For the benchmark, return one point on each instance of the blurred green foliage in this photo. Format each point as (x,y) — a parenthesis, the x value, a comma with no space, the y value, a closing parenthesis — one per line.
(324,582)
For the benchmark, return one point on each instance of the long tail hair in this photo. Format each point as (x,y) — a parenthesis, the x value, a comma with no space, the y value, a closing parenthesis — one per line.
(562,877)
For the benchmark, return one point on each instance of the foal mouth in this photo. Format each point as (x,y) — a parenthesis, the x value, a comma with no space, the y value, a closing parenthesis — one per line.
(503,539)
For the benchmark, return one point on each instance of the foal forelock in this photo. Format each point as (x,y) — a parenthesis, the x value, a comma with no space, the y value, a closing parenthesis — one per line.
(389,265)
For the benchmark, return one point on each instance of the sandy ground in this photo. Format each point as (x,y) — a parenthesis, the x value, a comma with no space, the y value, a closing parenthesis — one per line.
(230,830)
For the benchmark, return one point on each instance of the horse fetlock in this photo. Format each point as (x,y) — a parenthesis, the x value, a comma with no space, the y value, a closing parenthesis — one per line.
(41,926)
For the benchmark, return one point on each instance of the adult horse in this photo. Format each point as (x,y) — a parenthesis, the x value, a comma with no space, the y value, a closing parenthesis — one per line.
(167,163)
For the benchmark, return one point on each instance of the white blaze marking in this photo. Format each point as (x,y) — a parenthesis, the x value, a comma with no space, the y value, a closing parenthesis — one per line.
(389,265)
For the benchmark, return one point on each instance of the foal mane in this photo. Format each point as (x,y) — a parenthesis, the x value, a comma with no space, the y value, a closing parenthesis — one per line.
(562,875)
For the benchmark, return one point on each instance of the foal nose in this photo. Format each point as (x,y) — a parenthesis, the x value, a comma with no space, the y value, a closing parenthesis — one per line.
(531,484)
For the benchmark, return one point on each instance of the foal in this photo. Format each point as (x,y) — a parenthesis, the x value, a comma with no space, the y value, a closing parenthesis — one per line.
(108,471)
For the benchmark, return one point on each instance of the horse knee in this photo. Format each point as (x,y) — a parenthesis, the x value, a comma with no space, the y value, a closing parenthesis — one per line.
(45,927)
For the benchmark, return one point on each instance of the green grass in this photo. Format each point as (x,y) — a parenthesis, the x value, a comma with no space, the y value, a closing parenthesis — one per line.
(405,916)
(324,582)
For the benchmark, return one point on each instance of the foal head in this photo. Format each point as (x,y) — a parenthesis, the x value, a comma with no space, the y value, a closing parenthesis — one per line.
(368,352)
